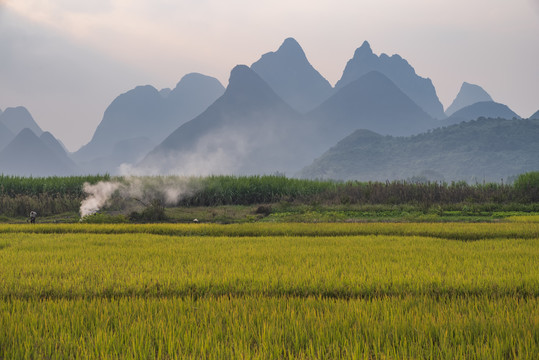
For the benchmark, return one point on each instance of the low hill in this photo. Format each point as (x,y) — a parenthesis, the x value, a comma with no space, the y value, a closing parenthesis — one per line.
(18,118)
(488,109)
(372,102)
(29,155)
(469,94)
(483,149)
(419,89)
(535,115)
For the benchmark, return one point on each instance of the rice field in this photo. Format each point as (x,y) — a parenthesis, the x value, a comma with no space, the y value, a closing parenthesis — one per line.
(270,291)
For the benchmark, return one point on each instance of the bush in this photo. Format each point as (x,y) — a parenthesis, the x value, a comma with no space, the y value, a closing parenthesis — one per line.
(528,186)
(99,218)
(154,212)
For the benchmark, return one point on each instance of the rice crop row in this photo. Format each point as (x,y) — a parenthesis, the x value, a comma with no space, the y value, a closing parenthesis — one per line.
(525,229)
(38,266)
(271,328)
(269,291)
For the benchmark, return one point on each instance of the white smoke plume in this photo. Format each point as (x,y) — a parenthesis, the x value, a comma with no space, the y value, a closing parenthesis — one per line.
(142,189)
(98,195)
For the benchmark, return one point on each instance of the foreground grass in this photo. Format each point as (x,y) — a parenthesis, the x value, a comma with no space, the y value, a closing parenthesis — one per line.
(271,328)
(270,291)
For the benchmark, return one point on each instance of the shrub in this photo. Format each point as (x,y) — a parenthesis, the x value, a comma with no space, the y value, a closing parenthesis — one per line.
(528,186)
(99,218)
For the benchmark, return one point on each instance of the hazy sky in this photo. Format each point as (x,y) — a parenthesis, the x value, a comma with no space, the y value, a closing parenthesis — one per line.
(66,60)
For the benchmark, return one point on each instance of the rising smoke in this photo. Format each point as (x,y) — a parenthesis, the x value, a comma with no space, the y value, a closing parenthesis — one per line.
(143,189)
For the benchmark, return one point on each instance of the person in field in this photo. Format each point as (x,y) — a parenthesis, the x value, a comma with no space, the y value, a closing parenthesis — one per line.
(33,215)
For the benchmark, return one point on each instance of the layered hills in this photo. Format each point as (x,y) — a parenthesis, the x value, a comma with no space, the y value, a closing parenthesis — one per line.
(468,94)
(288,72)
(141,118)
(18,118)
(277,116)
(372,102)
(6,135)
(419,89)
(488,109)
(30,155)
(248,130)
(480,150)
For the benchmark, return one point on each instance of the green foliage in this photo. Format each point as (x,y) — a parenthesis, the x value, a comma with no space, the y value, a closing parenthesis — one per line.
(55,185)
(51,196)
(99,218)
(154,212)
(528,186)
(47,196)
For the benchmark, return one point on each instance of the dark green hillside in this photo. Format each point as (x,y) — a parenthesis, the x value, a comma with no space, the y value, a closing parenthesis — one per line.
(481,150)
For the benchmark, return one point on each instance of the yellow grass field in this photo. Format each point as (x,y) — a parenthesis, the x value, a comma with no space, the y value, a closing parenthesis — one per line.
(270,291)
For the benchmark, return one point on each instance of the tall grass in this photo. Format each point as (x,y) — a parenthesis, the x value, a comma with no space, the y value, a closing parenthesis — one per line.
(34,186)
(270,328)
(52,195)
(48,196)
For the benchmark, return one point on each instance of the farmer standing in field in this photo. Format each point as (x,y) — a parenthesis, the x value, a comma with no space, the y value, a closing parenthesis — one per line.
(33,215)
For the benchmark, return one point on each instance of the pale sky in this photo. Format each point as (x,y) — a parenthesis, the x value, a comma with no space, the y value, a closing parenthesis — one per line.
(66,60)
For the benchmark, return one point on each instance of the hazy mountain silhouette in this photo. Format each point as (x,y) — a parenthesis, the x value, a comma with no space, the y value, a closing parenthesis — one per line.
(469,94)
(484,149)
(0,111)
(488,109)
(18,118)
(138,111)
(191,96)
(29,155)
(165,92)
(147,115)
(248,130)
(535,115)
(371,102)
(6,135)
(398,70)
(288,72)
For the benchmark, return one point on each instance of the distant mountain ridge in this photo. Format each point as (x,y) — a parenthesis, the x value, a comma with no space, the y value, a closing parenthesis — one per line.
(19,118)
(468,94)
(6,135)
(488,109)
(288,72)
(248,130)
(30,155)
(371,102)
(484,149)
(148,115)
(275,116)
(419,89)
